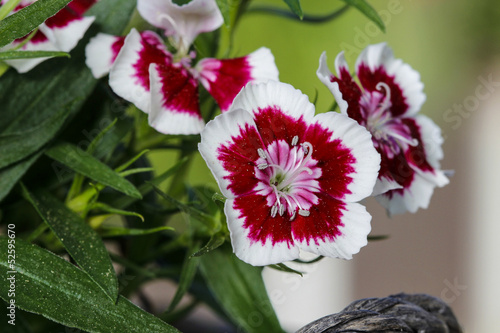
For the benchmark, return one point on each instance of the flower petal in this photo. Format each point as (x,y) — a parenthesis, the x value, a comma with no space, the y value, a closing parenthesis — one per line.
(129,76)
(81,6)
(333,228)
(280,111)
(349,162)
(229,146)
(256,237)
(225,78)
(174,101)
(101,52)
(184,22)
(65,29)
(345,90)
(376,64)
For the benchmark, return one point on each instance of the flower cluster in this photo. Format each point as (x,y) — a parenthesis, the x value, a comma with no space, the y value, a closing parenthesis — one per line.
(165,85)
(293,180)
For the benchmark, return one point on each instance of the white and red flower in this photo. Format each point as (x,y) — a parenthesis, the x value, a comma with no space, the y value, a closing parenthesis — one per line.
(292,179)
(386,102)
(165,85)
(60,32)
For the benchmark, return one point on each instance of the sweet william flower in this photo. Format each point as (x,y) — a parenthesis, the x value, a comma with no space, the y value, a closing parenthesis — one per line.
(387,102)
(292,179)
(165,85)
(61,32)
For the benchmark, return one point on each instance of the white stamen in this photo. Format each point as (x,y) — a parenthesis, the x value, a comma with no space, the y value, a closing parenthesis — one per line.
(293,216)
(262,166)
(304,213)
(274,210)
(262,153)
(282,210)
(384,86)
(295,140)
(413,142)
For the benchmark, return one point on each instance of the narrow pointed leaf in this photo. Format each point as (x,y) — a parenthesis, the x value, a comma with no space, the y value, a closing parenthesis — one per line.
(365,8)
(52,287)
(84,163)
(146,188)
(79,239)
(31,54)
(295,7)
(240,290)
(193,212)
(284,268)
(214,242)
(24,21)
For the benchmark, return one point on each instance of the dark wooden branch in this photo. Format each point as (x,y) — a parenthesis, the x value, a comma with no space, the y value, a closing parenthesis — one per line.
(416,313)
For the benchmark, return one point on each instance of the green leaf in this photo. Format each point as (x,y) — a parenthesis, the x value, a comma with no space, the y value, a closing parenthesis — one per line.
(365,8)
(79,239)
(11,174)
(108,231)
(189,268)
(24,21)
(31,54)
(214,242)
(239,289)
(84,163)
(50,286)
(295,7)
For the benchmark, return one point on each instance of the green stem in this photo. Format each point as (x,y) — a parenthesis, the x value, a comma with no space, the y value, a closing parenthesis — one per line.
(306,18)
(37,232)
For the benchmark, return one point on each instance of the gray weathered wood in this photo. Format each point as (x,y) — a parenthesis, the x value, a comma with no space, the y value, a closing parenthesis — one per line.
(418,313)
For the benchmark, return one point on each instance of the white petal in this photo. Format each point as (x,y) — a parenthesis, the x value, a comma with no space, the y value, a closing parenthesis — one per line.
(353,235)
(66,38)
(383,185)
(254,252)
(358,140)
(325,75)
(100,54)
(291,101)
(418,195)
(406,77)
(184,22)
(224,78)
(124,77)
(169,119)
(217,132)
(262,66)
